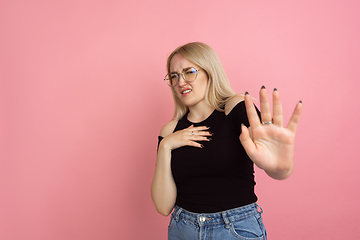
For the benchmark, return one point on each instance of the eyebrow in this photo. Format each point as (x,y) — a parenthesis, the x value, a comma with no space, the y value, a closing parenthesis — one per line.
(182,69)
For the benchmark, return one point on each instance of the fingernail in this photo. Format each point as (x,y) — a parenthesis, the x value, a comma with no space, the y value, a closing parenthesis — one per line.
(300,101)
(246,93)
(210,139)
(262,87)
(275,89)
(202,146)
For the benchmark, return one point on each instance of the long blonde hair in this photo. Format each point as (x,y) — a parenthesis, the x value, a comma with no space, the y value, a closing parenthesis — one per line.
(218,90)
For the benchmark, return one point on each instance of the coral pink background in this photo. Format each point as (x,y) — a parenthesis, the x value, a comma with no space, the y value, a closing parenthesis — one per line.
(82,100)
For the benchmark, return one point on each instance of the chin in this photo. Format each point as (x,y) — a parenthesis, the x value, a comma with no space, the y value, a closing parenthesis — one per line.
(190,104)
(187,104)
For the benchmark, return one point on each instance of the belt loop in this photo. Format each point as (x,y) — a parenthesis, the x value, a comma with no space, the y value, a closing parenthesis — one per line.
(260,208)
(177,215)
(226,220)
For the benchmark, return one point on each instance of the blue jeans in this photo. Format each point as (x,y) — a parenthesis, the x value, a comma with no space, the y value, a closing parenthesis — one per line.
(238,223)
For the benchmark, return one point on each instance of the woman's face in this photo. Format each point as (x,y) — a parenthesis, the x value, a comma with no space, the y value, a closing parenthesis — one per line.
(189,93)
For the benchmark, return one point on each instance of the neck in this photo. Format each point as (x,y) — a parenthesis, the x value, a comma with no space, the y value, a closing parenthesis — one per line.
(199,112)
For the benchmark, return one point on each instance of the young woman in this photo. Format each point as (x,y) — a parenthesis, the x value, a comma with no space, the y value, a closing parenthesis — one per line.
(204,173)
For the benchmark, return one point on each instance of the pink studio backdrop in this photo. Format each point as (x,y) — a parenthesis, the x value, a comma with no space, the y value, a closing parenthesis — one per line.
(82,102)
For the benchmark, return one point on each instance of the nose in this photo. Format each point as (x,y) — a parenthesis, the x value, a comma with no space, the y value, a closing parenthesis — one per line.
(182,81)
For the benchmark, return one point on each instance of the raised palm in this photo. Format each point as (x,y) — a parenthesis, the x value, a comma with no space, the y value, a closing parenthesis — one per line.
(270,145)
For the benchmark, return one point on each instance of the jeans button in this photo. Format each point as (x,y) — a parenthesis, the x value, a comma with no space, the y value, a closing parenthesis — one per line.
(202,219)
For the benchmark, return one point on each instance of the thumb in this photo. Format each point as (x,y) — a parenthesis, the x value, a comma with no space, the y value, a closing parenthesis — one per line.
(246,140)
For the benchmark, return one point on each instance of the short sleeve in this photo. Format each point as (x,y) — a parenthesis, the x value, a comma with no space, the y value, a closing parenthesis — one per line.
(238,116)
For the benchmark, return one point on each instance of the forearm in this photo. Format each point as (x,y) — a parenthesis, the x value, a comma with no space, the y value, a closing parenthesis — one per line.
(163,188)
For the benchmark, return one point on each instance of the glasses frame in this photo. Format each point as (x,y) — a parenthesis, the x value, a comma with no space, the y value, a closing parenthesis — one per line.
(182,73)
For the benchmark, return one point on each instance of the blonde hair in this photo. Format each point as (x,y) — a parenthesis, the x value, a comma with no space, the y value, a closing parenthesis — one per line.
(218,90)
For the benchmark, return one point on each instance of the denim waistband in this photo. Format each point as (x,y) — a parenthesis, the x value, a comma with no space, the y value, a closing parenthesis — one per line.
(219,217)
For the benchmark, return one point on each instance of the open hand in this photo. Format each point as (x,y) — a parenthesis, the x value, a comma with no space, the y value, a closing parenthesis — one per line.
(270,145)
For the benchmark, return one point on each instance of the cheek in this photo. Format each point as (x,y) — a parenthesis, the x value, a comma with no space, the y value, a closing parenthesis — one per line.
(203,85)
(178,92)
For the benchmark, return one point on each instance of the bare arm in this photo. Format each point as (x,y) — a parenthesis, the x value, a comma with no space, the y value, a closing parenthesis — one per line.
(163,188)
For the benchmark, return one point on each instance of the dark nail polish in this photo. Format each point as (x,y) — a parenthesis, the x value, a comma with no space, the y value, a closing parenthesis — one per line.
(275,89)
(262,87)
(202,146)
(246,93)
(300,101)
(209,139)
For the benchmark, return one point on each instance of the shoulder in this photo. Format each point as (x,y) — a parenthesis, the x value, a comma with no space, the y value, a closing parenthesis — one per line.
(168,128)
(232,102)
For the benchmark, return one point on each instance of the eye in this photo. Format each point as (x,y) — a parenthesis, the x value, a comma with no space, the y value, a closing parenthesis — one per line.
(190,71)
(174,75)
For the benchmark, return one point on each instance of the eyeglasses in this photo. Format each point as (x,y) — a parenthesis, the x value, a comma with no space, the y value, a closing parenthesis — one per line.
(189,74)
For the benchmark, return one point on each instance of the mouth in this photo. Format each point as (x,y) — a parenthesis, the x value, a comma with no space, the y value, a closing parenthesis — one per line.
(186,91)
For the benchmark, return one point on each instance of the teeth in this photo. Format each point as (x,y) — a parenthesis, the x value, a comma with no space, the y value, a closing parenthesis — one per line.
(186,91)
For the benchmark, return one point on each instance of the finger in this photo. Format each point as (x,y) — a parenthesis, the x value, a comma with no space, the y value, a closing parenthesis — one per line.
(278,118)
(201,139)
(198,130)
(195,144)
(202,128)
(265,105)
(190,129)
(295,117)
(251,111)
(201,135)
(246,140)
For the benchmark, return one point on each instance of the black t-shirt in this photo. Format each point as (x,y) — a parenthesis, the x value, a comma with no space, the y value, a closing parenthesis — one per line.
(219,176)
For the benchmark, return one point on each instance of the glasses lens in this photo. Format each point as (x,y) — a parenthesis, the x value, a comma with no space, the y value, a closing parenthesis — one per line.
(172,79)
(190,74)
